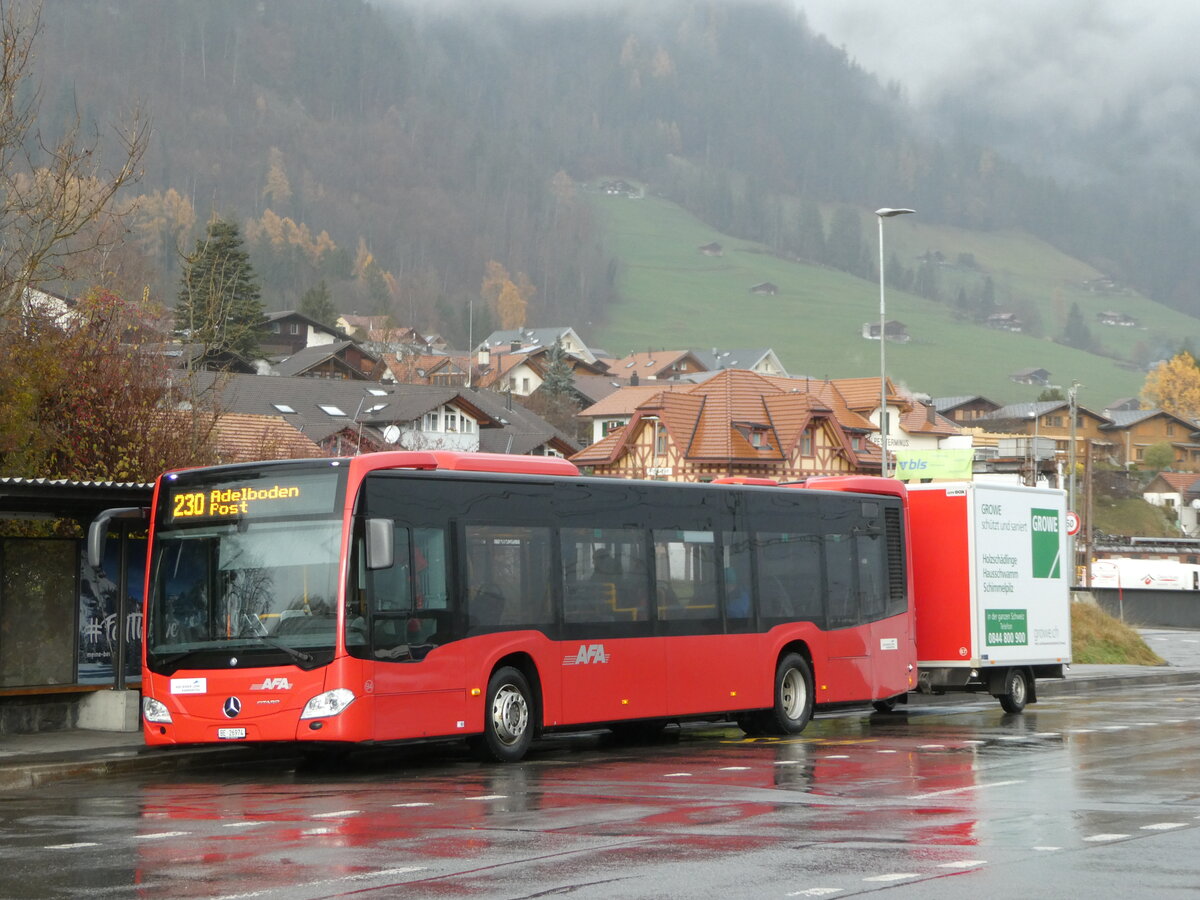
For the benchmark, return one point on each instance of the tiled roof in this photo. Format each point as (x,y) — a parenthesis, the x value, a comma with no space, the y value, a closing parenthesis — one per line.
(863,393)
(652,363)
(624,401)
(922,419)
(1181,482)
(718,418)
(244,438)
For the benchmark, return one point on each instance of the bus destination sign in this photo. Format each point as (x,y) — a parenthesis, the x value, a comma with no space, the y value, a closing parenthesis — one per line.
(286,495)
(218,504)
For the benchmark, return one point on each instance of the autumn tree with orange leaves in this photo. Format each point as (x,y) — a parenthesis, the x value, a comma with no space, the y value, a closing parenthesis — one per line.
(81,399)
(1174,386)
(506,297)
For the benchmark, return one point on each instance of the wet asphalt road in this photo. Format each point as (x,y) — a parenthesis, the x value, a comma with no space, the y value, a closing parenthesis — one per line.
(1095,796)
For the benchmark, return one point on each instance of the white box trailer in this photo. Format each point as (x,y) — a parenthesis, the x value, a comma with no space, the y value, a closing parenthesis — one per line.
(1145,574)
(991,585)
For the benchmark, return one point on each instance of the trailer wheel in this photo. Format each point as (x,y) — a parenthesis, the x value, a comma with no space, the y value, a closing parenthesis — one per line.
(1016,691)
(793,697)
(508,718)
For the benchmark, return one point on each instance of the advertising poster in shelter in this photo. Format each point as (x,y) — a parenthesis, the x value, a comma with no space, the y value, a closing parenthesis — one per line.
(99,611)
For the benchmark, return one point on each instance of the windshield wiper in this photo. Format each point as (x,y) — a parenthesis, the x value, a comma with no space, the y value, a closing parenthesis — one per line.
(259,631)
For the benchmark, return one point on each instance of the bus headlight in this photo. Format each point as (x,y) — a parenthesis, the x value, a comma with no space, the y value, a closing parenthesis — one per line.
(329,703)
(155,711)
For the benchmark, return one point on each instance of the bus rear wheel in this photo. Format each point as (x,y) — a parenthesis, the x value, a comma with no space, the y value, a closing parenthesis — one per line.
(508,718)
(793,697)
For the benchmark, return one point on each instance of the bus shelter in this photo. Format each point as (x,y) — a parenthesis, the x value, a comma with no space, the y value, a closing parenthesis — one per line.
(66,628)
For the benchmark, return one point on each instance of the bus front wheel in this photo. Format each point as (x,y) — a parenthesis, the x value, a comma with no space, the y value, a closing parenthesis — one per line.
(793,696)
(508,718)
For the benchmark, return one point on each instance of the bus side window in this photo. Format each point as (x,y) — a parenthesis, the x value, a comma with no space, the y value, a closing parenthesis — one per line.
(508,577)
(840,580)
(685,565)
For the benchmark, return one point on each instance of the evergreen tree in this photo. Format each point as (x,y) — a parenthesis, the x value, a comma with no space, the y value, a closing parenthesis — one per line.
(810,233)
(845,249)
(987,298)
(317,304)
(558,380)
(220,305)
(1075,332)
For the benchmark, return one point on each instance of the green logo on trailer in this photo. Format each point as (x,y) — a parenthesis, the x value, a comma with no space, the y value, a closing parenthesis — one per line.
(1045,528)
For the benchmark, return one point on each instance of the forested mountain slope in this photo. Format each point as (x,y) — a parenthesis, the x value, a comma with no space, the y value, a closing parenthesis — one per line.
(394,152)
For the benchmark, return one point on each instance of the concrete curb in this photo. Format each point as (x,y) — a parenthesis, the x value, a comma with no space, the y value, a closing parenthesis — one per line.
(24,773)
(1069,687)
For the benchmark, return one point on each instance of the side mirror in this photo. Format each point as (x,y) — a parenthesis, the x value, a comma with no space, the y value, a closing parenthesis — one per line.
(98,530)
(380,547)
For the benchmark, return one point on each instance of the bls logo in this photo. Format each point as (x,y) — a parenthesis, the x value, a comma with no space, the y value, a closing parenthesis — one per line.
(588,653)
(271,684)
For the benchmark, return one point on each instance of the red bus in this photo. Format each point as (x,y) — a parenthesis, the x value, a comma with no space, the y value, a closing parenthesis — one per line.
(430,595)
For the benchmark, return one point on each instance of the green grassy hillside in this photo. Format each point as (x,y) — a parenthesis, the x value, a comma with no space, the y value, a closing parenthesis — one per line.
(673,296)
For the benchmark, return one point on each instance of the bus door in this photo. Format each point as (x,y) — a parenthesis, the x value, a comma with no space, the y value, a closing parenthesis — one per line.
(848,653)
(404,624)
(702,587)
(611,666)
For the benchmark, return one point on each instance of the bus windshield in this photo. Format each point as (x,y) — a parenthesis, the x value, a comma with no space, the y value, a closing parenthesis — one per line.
(244,594)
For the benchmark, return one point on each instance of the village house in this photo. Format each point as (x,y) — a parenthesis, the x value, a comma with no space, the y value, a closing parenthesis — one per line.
(1179,494)
(736,423)
(348,417)
(288,332)
(894,331)
(1033,376)
(964,410)
(661,365)
(761,360)
(1133,432)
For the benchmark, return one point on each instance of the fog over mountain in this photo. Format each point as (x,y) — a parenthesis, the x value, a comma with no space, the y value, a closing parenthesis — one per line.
(1083,89)
(1090,87)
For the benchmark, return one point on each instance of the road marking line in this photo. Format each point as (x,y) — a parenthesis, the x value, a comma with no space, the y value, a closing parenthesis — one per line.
(838,756)
(339,814)
(410,805)
(735,769)
(893,876)
(241,824)
(961,790)
(974,743)
(1047,734)
(816,892)
(1164,826)
(160,835)
(489,797)
(76,846)
(1106,837)
(796,762)
(678,775)
(1047,849)
(317,831)
(932,747)
(887,751)
(963,864)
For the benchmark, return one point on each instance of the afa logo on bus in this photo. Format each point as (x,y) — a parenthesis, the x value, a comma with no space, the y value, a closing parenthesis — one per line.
(588,653)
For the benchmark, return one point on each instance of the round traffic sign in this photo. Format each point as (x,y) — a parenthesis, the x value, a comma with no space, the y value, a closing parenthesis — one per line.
(1073,522)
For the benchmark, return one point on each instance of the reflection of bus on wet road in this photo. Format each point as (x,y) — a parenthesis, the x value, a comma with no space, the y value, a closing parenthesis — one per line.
(411,595)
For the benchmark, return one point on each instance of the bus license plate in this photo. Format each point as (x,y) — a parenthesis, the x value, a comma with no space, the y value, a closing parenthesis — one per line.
(231,734)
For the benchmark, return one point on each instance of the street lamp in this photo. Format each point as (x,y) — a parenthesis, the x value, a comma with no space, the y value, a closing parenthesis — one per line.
(885,213)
